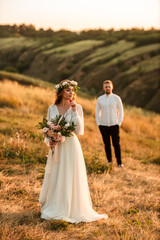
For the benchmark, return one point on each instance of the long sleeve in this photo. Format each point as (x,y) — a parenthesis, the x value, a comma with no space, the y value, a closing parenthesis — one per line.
(98,110)
(77,118)
(120,111)
(46,140)
(48,115)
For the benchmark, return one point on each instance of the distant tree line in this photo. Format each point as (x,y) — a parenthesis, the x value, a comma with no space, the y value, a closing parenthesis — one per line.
(60,37)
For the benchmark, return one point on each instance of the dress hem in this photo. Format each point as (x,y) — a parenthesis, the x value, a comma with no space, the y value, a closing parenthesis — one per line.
(101,216)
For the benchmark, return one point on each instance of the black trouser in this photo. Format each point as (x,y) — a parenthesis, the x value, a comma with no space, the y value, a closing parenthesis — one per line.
(107,134)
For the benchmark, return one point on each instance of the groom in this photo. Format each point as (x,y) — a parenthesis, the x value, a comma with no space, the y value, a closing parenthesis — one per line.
(109,116)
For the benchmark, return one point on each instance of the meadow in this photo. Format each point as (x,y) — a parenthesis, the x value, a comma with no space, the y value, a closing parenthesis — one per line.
(129,196)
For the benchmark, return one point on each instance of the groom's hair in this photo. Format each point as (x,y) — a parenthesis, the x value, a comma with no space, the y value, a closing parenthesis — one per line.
(108,81)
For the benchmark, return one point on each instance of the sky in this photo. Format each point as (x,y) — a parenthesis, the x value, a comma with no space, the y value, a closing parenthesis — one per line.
(77,15)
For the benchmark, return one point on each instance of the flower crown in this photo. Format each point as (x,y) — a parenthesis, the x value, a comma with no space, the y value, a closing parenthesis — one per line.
(67,84)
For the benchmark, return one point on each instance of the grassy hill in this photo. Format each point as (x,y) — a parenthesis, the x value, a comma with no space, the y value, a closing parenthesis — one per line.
(133,68)
(129,196)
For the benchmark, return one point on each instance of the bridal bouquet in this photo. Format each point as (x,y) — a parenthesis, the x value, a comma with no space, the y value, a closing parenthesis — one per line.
(57,129)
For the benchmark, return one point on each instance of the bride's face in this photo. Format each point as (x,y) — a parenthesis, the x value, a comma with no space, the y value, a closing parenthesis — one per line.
(68,93)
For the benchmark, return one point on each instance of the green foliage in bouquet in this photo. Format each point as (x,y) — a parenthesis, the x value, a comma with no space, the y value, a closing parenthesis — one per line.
(43,123)
(66,129)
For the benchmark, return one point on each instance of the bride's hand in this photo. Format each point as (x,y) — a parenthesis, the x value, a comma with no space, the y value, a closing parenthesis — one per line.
(52,144)
(73,105)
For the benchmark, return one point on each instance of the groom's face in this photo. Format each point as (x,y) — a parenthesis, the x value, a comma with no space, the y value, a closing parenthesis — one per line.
(107,87)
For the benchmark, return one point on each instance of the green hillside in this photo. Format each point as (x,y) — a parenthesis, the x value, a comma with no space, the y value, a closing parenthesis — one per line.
(133,65)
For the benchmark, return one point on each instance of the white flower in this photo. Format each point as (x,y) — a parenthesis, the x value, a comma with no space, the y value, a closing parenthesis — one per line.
(67,125)
(49,123)
(63,139)
(57,86)
(59,133)
(45,129)
(74,82)
(64,83)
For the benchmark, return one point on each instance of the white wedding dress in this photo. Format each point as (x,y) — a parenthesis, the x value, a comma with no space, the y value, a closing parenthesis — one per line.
(65,193)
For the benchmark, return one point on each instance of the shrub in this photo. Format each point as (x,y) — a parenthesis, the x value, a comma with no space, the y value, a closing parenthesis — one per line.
(65,74)
(110,41)
(70,65)
(154,53)
(96,166)
(86,68)
(57,225)
(145,40)
(125,68)
(120,63)
(11,69)
(23,65)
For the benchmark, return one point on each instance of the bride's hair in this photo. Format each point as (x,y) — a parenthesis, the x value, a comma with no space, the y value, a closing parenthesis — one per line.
(60,91)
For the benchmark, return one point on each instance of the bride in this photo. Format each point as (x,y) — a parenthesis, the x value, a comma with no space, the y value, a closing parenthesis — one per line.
(65,193)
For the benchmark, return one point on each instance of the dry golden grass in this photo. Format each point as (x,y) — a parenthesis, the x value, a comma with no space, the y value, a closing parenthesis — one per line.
(129,196)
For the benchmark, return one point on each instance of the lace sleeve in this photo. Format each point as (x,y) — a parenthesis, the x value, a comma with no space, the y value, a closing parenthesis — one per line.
(46,140)
(77,118)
